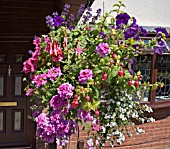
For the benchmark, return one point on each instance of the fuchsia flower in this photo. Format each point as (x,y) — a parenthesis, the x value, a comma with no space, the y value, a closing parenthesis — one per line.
(79,50)
(104,76)
(103,49)
(53,73)
(85,75)
(55,51)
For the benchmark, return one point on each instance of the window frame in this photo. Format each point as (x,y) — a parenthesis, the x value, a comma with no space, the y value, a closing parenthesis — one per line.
(153,78)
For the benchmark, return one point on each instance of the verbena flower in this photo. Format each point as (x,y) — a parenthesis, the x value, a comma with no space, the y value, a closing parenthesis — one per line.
(65,11)
(103,49)
(85,75)
(71,17)
(50,21)
(65,90)
(98,13)
(87,15)
(55,14)
(81,10)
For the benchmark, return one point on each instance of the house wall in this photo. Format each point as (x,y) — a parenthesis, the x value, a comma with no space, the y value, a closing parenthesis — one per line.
(147,12)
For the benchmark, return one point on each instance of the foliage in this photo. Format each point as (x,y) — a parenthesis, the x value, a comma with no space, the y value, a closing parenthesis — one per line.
(79,74)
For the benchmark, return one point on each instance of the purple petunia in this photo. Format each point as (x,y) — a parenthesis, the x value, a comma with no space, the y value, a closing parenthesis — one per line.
(103,35)
(131,61)
(85,75)
(53,73)
(65,90)
(160,47)
(40,79)
(45,129)
(161,29)
(122,19)
(57,102)
(131,32)
(30,65)
(58,20)
(131,71)
(134,31)
(71,27)
(36,113)
(103,49)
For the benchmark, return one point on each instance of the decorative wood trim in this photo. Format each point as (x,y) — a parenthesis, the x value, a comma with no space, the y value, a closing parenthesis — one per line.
(22,120)
(8,104)
(4,121)
(153,78)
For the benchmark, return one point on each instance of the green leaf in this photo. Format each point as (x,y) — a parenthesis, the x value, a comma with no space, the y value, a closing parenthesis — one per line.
(95,32)
(75,33)
(154,86)
(95,105)
(97,92)
(116,5)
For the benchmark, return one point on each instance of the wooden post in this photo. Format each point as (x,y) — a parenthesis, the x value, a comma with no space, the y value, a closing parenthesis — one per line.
(80,144)
(64,147)
(52,145)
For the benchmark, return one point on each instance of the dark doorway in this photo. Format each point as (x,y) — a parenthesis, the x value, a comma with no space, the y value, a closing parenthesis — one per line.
(15,127)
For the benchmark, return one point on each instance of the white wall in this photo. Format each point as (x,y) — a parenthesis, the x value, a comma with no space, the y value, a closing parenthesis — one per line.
(147,12)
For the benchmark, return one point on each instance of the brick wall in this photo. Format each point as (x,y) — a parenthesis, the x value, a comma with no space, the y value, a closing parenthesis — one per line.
(156,136)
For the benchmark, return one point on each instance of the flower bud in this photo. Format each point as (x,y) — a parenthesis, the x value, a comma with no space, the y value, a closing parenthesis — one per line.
(104,77)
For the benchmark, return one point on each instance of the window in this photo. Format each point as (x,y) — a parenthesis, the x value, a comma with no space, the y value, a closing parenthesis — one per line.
(154,68)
